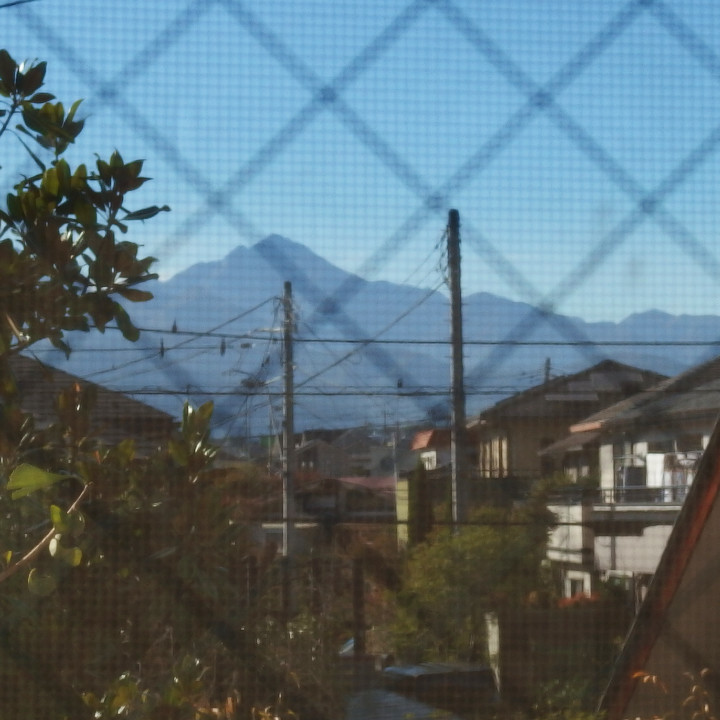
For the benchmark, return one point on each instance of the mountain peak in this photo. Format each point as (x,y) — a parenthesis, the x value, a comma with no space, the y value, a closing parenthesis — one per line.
(274,241)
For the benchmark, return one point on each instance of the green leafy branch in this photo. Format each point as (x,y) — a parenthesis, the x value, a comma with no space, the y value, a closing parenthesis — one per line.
(27,479)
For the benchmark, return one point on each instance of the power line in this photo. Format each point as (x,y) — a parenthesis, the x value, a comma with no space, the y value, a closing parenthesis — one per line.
(254,335)
(382,332)
(209,333)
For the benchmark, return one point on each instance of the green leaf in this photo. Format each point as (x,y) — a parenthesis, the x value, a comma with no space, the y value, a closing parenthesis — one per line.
(125,451)
(129,331)
(205,411)
(104,171)
(41,97)
(51,182)
(72,556)
(37,160)
(41,583)
(60,519)
(178,452)
(33,78)
(8,71)
(73,110)
(146,213)
(85,212)
(63,173)
(67,523)
(135,295)
(26,479)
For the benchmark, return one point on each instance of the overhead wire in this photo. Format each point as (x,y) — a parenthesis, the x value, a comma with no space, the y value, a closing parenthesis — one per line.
(258,335)
(181,344)
(390,325)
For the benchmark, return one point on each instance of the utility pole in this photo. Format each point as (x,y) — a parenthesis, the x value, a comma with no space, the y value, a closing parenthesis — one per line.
(458,430)
(288,474)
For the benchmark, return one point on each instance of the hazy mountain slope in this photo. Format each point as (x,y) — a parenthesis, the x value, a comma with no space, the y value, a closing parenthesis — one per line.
(238,365)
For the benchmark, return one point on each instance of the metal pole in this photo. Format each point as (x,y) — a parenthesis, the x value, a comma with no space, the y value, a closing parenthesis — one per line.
(458,442)
(288,549)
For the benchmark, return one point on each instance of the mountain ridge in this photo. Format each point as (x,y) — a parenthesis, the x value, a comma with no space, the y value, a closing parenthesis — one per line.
(341,378)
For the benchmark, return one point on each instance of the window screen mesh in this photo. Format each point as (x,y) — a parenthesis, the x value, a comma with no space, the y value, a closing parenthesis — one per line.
(304,158)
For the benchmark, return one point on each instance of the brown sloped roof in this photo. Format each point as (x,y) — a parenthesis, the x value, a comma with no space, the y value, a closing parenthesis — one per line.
(571,443)
(693,392)
(588,386)
(115,416)
(676,630)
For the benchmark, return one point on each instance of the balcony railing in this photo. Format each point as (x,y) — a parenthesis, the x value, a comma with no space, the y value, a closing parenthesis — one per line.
(638,495)
(643,495)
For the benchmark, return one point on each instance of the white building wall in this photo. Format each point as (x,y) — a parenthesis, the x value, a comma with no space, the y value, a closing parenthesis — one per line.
(607,467)
(570,536)
(633,553)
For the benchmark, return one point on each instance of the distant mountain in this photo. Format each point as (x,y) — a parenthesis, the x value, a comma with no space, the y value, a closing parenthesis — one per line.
(234,357)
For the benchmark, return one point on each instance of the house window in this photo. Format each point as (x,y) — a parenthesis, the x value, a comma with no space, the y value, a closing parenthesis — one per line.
(660,446)
(686,443)
(630,483)
(576,587)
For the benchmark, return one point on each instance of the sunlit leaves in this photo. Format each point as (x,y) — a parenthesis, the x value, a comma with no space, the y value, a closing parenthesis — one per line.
(69,555)
(191,448)
(27,479)
(64,263)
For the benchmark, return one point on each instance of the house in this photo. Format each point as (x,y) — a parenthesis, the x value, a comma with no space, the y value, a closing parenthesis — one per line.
(432,447)
(344,499)
(348,451)
(318,458)
(675,638)
(645,449)
(511,433)
(321,503)
(377,452)
(114,416)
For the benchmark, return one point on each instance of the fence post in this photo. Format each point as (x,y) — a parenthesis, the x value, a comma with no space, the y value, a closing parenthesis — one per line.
(358,595)
(251,580)
(316,577)
(285,588)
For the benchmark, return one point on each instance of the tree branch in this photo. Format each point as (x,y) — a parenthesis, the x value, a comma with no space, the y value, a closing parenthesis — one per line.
(32,554)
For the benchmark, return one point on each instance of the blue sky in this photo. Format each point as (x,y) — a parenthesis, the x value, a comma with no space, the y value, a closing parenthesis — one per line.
(223,99)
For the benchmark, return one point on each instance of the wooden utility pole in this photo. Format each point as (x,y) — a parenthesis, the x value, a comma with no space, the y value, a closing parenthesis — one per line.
(458,430)
(288,475)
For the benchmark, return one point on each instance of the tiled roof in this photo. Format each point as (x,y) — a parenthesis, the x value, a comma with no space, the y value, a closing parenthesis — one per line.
(696,391)
(593,385)
(115,416)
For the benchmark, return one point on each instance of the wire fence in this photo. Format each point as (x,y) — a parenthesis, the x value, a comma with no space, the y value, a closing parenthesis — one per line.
(581,147)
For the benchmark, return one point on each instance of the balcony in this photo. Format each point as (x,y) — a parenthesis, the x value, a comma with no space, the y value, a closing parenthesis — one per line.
(642,495)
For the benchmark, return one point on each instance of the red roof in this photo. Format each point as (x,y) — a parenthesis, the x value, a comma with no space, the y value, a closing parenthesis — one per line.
(435,438)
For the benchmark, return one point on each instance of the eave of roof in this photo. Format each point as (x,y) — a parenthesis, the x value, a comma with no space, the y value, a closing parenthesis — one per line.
(695,391)
(567,388)
(575,442)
